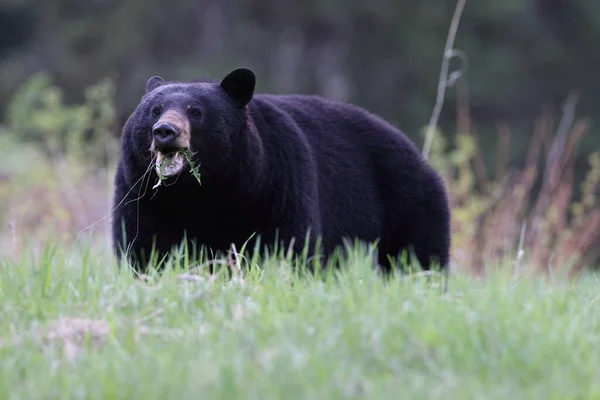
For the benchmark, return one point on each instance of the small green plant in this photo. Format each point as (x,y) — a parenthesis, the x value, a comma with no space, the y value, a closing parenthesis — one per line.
(194,169)
(169,161)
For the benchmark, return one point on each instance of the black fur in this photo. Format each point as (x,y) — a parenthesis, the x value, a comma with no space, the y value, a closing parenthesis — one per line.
(278,164)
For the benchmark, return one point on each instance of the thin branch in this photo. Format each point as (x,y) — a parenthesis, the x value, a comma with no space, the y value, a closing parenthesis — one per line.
(443,80)
(553,169)
(562,132)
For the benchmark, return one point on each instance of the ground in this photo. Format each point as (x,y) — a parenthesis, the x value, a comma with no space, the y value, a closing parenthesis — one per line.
(270,334)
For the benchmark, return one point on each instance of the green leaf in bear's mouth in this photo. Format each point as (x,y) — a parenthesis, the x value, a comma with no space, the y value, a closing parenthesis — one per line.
(172,163)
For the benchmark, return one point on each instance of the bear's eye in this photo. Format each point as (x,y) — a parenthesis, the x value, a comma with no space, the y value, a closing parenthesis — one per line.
(156,111)
(194,112)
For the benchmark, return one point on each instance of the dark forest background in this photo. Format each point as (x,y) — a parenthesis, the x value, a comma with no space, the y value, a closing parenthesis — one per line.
(381,54)
(519,57)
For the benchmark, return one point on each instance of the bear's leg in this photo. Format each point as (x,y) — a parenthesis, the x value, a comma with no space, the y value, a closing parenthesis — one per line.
(432,230)
(425,235)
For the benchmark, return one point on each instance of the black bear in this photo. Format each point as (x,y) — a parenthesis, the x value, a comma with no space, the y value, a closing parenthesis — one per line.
(212,162)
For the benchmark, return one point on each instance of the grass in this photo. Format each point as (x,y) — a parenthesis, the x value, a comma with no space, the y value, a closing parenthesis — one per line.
(74,326)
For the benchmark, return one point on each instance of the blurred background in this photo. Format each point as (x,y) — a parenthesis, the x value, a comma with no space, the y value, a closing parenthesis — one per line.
(517,139)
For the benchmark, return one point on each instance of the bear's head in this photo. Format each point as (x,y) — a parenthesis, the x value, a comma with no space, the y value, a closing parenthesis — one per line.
(196,121)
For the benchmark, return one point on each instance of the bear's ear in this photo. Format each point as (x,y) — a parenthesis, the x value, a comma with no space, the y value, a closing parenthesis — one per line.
(153,83)
(239,84)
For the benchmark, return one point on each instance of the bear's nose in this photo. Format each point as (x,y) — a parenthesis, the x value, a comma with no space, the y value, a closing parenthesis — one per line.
(164,132)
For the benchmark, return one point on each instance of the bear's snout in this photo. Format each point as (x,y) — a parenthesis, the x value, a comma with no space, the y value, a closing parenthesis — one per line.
(171,131)
(165,134)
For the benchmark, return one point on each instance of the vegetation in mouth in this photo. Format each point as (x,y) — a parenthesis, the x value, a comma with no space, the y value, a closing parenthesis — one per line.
(172,163)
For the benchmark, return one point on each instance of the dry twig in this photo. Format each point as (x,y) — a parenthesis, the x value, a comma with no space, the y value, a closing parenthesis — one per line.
(443,80)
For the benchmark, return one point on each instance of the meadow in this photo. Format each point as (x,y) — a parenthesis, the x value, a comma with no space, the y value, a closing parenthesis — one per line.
(75,326)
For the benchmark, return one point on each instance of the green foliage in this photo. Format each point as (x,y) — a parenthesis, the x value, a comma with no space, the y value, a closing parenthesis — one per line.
(168,161)
(590,187)
(456,166)
(39,115)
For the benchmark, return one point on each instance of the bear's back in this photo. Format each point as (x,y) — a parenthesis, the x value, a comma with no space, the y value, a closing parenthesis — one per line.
(327,122)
